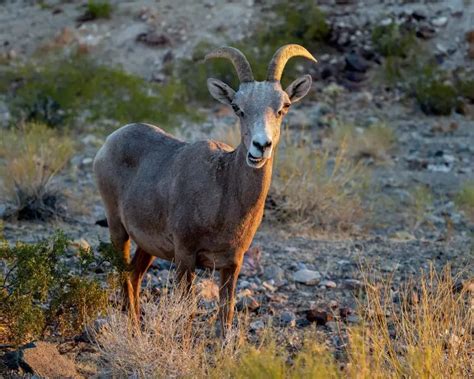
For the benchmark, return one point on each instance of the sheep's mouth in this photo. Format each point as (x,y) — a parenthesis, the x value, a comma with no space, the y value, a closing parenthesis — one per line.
(254,161)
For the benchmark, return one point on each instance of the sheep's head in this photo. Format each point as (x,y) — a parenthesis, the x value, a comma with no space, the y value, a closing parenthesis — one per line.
(260,106)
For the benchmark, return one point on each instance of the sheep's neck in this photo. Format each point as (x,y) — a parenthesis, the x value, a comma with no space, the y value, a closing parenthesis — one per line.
(251,184)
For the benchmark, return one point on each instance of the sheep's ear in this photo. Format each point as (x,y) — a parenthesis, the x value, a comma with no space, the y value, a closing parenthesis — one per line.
(220,91)
(299,88)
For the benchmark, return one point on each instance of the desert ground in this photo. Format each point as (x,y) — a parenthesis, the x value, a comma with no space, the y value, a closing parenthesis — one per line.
(373,182)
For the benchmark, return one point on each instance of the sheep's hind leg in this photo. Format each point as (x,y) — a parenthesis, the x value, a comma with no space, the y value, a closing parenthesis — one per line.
(121,242)
(140,263)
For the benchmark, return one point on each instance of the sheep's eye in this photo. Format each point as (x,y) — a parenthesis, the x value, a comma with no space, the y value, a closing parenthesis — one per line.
(237,110)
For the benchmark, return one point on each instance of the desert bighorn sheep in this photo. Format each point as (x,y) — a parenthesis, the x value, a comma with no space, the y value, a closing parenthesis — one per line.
(201,203)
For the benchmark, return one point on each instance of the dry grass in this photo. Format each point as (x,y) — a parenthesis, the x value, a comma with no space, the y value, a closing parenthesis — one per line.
(319,188)
(421,198)
(31,157)
(425,333)
(423,330)
(169,344)
(465,200)
(375,141)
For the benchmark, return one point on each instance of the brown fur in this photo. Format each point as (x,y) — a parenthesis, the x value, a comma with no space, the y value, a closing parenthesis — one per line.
(202,213)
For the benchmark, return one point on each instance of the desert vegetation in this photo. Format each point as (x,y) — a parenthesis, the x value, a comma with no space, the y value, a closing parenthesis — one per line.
(363,265)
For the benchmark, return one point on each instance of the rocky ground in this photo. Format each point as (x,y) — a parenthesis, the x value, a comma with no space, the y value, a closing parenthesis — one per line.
(288,277)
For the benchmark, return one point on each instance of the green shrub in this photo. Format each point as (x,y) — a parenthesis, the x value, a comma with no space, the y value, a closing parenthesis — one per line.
(56,91)
(40,290)
(434,94)
(98,9)
(393,41)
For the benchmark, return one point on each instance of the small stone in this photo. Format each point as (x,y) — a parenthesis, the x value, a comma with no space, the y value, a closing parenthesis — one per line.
(257,325)
(353,319)
(247,303)
(345,312)
(355,62)
(154,39)
(419,15)
(82,244)
(287,319)
(425,32)
(87,161)
(274,272)
(353,284)
(439,21)
(328,284)
(308,277)
(319,316)
(269,286)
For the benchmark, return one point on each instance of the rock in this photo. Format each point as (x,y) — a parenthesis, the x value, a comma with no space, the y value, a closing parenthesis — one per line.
(425,32)
(257,325)
(353,284)
(269,286)
(328,284)
(287,319)
(251,265)
(82,244)
(274,272)
(247,303)
(354,76)
(87,161)
(319,316)
(354,62)
(345,311)
(46,361)
(154,39)
(353,319)
(439,21)
(419,15)
(308,277)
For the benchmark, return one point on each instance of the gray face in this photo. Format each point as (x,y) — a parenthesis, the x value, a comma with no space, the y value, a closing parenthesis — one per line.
(261,107)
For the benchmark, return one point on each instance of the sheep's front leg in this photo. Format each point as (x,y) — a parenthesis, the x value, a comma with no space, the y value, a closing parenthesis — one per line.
(227,296)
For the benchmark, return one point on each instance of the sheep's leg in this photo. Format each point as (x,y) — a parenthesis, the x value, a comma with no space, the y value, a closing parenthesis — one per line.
(121,241)
(140,263)
(227,296)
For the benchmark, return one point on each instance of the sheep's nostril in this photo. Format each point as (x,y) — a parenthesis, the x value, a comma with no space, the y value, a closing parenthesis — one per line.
(263,146)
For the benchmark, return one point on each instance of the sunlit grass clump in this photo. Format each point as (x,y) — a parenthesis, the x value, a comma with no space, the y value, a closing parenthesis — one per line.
(376,141)
(319,187)
(424,330)
(32,156)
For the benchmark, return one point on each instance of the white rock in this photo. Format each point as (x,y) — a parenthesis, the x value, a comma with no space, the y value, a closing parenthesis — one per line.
(328,284)
(308,277)
(257,325)
(439,21)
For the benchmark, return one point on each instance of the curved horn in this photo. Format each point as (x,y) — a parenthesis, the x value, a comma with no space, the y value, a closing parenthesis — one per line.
(241,64)
(281,57)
